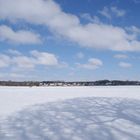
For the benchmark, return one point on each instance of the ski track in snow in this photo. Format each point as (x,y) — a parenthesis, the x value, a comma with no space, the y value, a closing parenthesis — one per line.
(70,113)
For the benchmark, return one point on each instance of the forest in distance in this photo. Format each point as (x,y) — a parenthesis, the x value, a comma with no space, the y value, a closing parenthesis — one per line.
(72,83)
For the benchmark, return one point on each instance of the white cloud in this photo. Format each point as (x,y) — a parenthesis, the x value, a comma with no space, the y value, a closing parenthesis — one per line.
(90,18)
(16,75)
(44,58)
(49,13)
(105,12)
(14,52)
(20,37)
(121,56)
(109,12)
(135,31)
(80,55)
(125,65)
(29,62)
(93,63)
(4,61)
(24,62)
(118,12)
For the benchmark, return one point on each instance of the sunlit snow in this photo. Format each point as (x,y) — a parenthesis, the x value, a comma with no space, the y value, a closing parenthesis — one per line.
(70,113)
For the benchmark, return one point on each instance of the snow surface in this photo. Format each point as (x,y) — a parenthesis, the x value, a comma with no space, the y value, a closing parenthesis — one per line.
(13,99)
(70,113)
(92,118)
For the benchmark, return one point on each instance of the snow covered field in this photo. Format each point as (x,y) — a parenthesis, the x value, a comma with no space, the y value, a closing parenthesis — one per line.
(70,113)
(16,98)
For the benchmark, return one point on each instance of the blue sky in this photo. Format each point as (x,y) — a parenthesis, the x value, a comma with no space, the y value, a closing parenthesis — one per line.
(69,39)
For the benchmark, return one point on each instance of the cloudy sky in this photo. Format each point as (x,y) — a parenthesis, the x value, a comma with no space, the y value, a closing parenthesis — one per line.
(69,39)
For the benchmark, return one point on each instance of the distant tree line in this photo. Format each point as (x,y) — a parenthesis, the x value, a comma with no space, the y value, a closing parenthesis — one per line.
(74,83)
(14,83)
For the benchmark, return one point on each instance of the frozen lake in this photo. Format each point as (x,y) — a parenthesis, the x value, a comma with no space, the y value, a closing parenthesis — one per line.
(13,99)
(70,113)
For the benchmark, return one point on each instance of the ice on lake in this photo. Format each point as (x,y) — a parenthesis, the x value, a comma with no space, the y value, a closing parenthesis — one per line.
(76,113)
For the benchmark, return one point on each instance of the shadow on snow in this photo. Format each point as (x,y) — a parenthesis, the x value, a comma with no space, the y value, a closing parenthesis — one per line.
(76,119)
